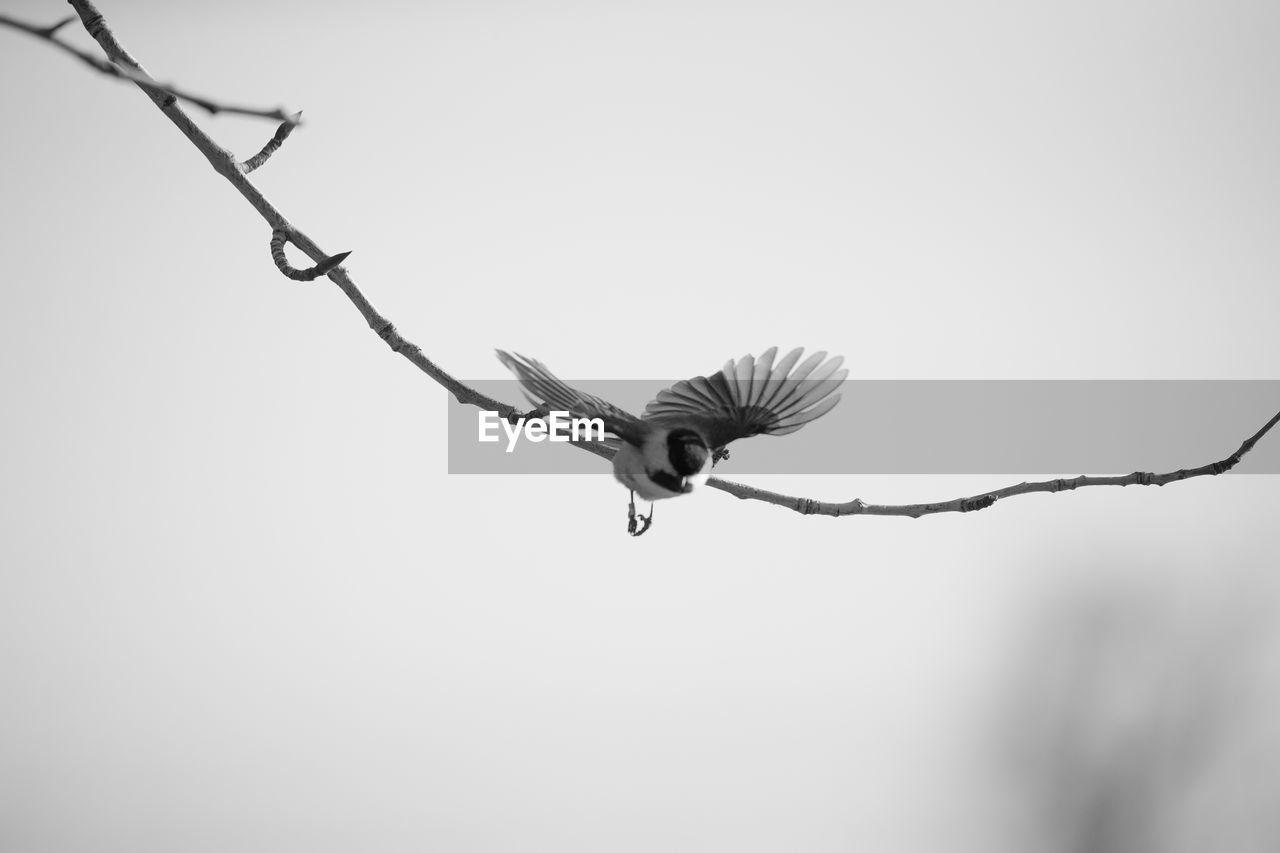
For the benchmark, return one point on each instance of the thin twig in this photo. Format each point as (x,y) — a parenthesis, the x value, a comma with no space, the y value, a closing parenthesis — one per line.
(805,506)
(229,168)
(137,74)
(273,144)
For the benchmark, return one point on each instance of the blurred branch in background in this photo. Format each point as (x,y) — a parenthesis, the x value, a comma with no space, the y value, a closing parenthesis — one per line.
(1135,721)
(167,96)
(137,74)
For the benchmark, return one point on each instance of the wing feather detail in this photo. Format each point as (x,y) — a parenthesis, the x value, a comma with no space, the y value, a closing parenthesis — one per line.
(753,396)
(780,372)
(540,385)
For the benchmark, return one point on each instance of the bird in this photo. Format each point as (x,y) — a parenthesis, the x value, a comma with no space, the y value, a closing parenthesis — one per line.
(670,449)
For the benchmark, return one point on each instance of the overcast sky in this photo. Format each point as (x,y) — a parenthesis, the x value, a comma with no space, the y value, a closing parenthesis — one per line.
(243,606)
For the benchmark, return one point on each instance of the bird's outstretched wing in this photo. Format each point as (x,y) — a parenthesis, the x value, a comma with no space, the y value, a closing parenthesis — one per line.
(542,386)
(752,396)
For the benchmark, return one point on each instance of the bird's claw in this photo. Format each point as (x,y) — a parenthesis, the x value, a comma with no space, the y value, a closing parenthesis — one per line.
(637,524)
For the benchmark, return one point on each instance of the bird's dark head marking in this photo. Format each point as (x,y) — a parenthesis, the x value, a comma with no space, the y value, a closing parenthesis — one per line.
(687,451)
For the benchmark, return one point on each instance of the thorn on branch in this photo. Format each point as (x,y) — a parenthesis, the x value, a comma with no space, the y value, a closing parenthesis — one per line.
(279,237)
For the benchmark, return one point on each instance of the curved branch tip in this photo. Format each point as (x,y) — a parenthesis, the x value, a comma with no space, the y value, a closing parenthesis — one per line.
(279,237)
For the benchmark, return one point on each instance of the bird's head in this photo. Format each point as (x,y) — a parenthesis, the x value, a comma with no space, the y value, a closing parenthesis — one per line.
(687,451)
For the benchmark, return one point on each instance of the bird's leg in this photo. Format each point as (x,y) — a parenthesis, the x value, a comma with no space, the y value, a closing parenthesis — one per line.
(637,524)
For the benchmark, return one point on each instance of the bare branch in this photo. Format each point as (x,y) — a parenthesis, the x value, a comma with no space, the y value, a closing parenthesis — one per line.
(135,73)
(166,99)
(857,506)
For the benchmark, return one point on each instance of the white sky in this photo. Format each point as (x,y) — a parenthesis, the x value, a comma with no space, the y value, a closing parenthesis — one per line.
(242,607)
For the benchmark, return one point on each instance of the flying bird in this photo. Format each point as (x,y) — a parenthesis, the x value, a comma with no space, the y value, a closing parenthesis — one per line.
(669,450)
